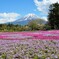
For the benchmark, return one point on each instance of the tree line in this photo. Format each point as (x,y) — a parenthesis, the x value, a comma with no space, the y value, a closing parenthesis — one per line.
(31,26)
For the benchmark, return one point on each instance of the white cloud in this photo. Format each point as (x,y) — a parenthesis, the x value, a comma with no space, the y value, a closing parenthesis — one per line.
(43,5)
(45,18)
(8,17)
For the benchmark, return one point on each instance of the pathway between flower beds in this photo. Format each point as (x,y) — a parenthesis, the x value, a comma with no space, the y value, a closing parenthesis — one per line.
(53,34)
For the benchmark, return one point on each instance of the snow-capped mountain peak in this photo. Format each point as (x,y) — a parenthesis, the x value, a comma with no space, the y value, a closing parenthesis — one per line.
(24,20)
(30,16)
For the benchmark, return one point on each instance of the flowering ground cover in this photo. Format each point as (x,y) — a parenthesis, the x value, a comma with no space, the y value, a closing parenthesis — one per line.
(29,49)
(53,34)
(29,45)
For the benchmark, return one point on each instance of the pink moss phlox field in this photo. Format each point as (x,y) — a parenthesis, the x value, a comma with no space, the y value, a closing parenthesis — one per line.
(52,34)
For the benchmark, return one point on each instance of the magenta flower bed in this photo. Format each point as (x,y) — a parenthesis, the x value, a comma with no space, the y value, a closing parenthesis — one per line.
(53,34)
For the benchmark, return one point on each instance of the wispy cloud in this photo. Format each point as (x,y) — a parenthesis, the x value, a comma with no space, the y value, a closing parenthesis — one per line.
(43,6)
(8,17)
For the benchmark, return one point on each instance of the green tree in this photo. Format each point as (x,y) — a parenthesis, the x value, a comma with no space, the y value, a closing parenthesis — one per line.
(33,25)
(53,16)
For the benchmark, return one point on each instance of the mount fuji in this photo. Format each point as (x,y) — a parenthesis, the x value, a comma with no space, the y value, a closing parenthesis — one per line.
(24,20)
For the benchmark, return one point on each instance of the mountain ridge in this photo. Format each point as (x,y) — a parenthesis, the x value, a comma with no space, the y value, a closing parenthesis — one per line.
(24,20)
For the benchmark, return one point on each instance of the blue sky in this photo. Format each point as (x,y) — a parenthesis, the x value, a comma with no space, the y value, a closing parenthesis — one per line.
(10,10)
(22,7)
(18,6)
